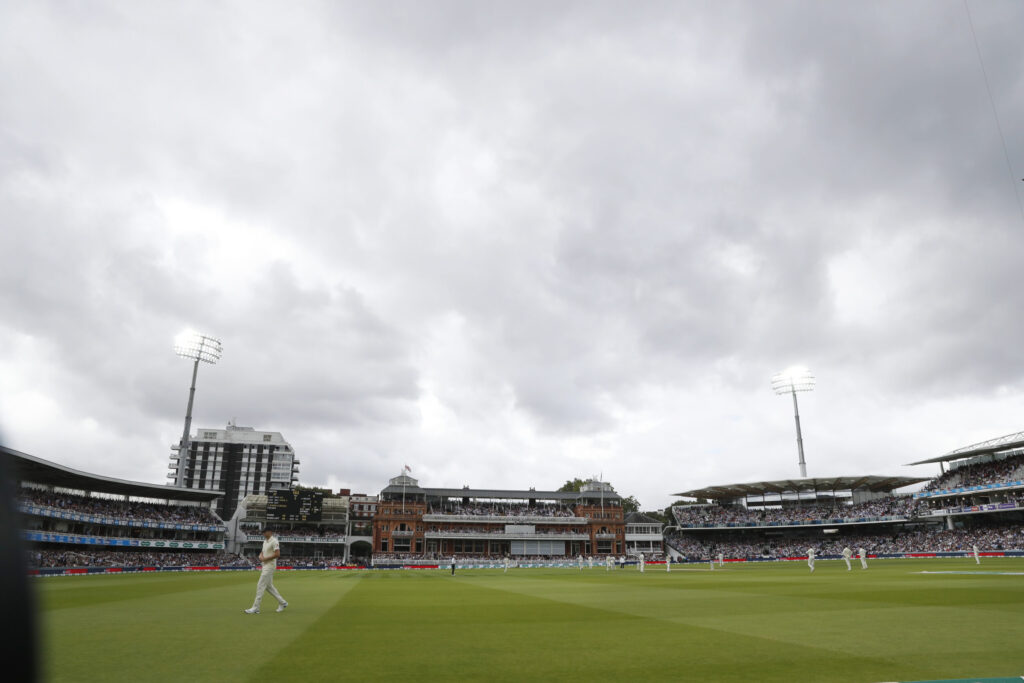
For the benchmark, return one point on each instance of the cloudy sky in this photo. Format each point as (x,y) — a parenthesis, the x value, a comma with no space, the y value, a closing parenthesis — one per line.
(512,243)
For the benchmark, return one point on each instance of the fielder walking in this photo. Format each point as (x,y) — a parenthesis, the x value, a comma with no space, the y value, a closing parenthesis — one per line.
(268,556)
(847,554)
(976,558)
(863,558)
(810,559)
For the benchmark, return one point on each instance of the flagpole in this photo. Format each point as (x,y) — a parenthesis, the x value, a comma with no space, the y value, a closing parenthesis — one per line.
(405,478)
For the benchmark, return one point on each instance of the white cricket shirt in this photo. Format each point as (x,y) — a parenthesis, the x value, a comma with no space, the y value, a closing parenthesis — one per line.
(269,547)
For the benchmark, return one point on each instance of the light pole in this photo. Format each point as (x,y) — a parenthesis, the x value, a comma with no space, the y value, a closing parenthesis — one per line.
(196,347)
(790,381)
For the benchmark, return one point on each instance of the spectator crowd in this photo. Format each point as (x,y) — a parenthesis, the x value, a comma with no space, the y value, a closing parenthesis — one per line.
(992,472)
(305,532)
(108,507)
(131,558)
(501,510)
(1007,536)
(890,506)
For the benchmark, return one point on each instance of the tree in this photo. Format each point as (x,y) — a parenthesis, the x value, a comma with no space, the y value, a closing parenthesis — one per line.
(663,516)
(630,504)
(303,487)
(573,485)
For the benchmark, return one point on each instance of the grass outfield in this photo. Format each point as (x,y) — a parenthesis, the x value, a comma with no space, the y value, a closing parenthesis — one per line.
(745,622)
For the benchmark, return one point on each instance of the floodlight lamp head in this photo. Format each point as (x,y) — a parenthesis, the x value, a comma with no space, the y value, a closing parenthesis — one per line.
(198,347)
(790,380)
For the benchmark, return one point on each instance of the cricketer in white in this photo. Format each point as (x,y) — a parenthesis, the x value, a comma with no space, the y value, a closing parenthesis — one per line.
(268,556)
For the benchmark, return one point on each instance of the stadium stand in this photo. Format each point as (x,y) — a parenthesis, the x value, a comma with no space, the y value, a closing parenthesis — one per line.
(414,523)
(90,521)
(499,510)
(132,558)
(108,508)
(322,541)
(890,507)
(978,501)
(1001,537)
(73,521)
(977,474)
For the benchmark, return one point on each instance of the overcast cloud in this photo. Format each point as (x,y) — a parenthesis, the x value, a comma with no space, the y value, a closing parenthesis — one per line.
(509,244)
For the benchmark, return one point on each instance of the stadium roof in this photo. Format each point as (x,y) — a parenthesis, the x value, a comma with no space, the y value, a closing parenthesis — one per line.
(407,486)
(1002,443)
(38,471)
(641,518)
(759,488)
(503,494)
(520,495)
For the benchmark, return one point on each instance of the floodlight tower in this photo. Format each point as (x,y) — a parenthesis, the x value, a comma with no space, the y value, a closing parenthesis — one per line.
(196,347)
(790,381)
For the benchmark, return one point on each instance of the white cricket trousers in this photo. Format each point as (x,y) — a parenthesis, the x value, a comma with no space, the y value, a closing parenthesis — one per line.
(266,583)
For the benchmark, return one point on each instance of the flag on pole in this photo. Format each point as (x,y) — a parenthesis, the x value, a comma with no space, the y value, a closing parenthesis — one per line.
(408,469)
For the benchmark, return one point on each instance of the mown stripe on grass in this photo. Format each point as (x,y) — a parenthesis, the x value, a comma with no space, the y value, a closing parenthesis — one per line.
(446,628)
(81,591)
(958,639)
(193,635)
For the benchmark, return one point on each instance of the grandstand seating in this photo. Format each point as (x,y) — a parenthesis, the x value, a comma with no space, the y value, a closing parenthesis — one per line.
(118,509)
(977,474)
(500,510)
(79,520)
(952,517)
(89,557)
(1000,536)
(901,507)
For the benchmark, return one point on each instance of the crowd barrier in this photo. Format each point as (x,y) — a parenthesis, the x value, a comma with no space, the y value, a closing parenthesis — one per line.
(74,571)
(78,539)
(969,489)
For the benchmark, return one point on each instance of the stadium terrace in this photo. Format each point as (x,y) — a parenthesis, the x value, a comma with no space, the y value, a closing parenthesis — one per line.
(431,523)
(76,521)
(977,500)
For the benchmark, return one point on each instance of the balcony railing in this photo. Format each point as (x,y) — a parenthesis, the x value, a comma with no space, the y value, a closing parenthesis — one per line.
(809,522)
(501,535)
(503,519)
(250,538)
(976,488)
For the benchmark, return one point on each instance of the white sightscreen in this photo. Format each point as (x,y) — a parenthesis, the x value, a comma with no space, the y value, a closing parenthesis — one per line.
(538,548)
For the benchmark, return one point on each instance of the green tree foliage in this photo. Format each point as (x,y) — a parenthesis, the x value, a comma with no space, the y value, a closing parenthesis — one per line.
(303,487)
(663,516)
(630,504)
(573,485)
